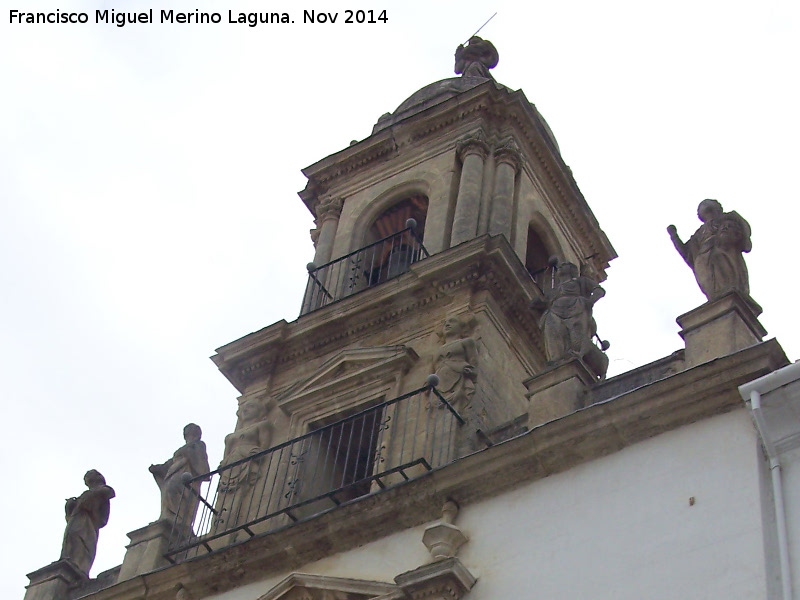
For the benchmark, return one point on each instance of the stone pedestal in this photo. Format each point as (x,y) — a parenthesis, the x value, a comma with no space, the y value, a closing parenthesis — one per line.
(720,327)
(146,551)
(443,580)
(558,391)
(53,581)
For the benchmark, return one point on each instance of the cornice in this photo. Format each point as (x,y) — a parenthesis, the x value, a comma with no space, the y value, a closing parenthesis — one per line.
(582,436)
(482,263)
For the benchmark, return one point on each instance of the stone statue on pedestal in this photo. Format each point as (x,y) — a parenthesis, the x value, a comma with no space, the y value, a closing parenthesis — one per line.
(567,322)
(476,58)
(714,252)
(190,458)
(86,515)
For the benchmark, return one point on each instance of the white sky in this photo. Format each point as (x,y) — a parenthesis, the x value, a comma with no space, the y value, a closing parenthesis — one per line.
(148,207)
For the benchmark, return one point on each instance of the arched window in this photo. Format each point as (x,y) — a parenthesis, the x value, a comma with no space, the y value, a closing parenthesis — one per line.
(394,218)
(392,256)
(537,258)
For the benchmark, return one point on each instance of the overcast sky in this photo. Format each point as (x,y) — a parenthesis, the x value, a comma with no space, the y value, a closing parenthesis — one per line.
(148,207)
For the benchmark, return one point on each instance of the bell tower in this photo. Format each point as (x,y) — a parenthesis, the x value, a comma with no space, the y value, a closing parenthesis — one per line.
(425,330)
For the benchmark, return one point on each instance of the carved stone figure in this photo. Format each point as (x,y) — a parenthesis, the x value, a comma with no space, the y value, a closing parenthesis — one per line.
(715,250)
(567,322)
(455,362)
(190,458)
(252,435)
(476,58)
(86,515)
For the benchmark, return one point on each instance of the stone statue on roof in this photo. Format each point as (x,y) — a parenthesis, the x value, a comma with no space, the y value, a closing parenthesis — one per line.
(714,252)
(476,58)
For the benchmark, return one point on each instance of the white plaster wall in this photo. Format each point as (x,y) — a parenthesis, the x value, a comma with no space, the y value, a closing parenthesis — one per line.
(620,527)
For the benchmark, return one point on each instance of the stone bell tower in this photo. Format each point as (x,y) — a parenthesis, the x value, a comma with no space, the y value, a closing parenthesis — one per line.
(438,227)
(416,342)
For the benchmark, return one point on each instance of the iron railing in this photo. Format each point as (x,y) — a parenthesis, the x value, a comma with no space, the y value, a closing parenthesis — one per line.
(380,261)
(378,447)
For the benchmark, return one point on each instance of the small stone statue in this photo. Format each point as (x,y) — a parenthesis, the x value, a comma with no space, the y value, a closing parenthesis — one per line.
(476,58)
(86,515)
(714,252)
(190,458)
(567,321)
(455,362)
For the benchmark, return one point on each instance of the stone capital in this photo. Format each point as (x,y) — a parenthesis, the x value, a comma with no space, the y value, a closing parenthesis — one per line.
(507,152)
(329,208)
(474,144)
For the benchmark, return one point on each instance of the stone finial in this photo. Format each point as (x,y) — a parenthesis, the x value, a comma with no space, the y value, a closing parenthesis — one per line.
(714,252)
(476,58)
(86,515)
(443,539)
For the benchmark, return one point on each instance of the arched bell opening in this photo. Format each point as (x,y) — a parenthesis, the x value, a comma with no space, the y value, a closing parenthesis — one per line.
(539,251)
(395,238)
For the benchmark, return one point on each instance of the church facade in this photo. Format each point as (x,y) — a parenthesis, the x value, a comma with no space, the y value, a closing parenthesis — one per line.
(437,423)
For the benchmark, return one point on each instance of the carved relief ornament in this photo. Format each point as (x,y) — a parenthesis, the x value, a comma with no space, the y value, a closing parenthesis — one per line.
(329,208)
(474,144)
(508,152)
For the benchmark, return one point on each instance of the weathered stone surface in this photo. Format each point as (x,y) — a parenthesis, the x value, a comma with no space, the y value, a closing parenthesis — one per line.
(567,321)
(86,515)
(714,252)
(191,458)
(558,391)
(476,58)
(719,327)
(53,581)
(146,551)
(446,579)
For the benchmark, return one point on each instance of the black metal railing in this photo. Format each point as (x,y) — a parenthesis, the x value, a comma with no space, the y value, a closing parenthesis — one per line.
(378,447)
(380,261)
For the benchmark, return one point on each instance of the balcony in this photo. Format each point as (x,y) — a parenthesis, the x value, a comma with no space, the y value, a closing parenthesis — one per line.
(369,451)
(378,262)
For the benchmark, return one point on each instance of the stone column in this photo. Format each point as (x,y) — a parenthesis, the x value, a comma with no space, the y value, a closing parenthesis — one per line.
(507,160)
(328,212)
(472,152)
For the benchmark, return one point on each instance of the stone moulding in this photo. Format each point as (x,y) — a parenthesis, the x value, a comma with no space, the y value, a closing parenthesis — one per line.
(482,105)
(597,430)
(487,261)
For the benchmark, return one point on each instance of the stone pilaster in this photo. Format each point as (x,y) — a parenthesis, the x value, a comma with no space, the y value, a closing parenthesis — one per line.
(146,551)
(558,391)
(720,327)
(53,581)
(472,152)
(328,212)
(508,163)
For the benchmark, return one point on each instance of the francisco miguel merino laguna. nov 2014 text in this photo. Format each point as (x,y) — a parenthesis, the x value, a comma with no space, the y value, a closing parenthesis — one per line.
(251,19)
